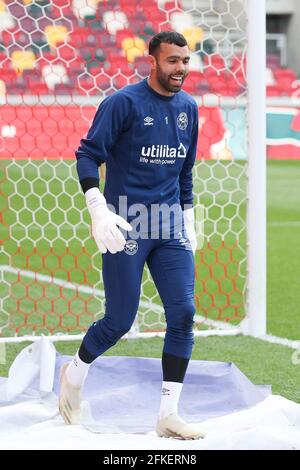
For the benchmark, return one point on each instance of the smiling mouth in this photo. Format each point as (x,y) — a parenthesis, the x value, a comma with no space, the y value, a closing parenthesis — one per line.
(177,78)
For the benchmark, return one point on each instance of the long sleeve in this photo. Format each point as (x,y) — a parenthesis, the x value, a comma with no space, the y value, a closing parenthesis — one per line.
(186,176)
(111,119)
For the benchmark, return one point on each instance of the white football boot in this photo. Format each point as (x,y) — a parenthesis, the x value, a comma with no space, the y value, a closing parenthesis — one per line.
(174,426)
(70,398)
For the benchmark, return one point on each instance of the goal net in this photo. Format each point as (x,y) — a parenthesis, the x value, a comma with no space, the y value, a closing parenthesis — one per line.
(58,60)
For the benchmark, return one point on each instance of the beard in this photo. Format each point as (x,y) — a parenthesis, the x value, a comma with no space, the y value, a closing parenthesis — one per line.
(165,81)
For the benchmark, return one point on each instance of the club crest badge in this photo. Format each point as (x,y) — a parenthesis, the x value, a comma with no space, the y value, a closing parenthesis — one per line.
(182,121)
(131,247)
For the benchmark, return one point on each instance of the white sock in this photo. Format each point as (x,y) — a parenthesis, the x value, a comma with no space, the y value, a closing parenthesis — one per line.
(77,371)
(169,398)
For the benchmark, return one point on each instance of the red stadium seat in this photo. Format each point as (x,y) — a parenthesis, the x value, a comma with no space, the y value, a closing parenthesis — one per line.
(157,18)
(240,78)
(8,76)
(114,69)
(273,90)
(192,83)
(66,52)
(189,86)
(122,34)
(224,85)
(103,82)
(238,64)
(285,85)
(120,81)
(287,74)
(142,65)
(32,76)
(63,89)
(40,89)
(216,62)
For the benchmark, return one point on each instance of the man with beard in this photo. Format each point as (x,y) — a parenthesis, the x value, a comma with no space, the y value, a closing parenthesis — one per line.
(146,134)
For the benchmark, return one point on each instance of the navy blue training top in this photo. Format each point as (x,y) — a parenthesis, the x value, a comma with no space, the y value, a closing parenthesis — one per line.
(148,142)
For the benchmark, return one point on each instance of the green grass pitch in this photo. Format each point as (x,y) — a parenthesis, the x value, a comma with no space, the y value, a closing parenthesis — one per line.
(41,233)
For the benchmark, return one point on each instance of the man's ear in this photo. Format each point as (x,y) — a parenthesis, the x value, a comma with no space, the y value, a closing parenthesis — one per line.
(152,62)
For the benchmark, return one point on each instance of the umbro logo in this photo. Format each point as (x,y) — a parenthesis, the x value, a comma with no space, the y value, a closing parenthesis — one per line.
(148,121)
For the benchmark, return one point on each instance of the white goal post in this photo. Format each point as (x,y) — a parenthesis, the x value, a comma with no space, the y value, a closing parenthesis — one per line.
(257,206)
(50,271)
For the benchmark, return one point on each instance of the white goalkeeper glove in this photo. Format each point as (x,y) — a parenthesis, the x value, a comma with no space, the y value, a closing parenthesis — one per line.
(104,223)
(189,223)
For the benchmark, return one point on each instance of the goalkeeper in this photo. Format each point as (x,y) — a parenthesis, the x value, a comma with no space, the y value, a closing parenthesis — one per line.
(146,134)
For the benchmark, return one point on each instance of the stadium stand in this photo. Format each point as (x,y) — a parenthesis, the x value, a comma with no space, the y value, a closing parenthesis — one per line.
(78,47)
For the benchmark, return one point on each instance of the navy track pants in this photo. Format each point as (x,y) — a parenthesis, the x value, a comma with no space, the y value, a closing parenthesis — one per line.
(171,264)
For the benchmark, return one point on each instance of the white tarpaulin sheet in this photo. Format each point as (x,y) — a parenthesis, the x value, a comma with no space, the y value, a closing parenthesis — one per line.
(121,400)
